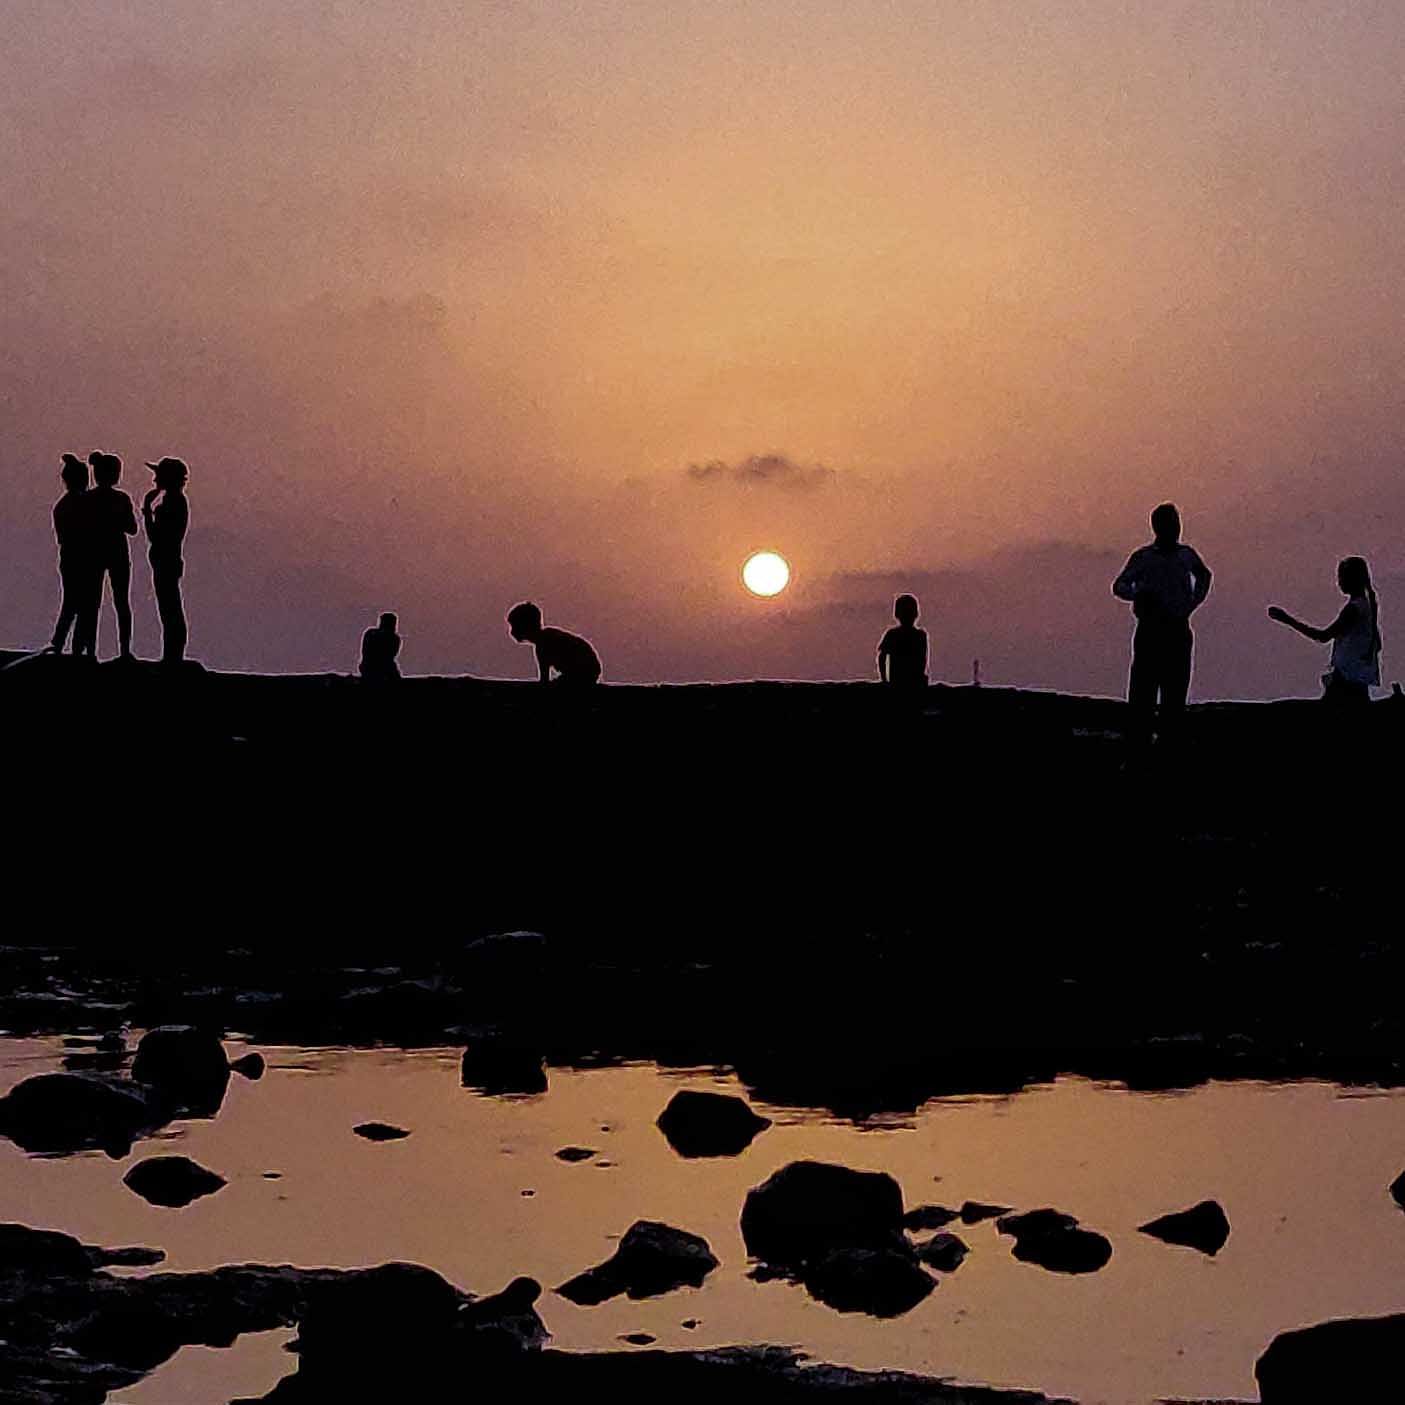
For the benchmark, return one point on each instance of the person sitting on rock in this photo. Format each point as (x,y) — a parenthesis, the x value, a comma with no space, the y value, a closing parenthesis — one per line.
(902,653)
(379,647)
(575,661)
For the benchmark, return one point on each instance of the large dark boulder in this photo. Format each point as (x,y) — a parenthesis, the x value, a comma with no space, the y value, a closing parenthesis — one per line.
(699,1123)
(1354,1359)
(1055,1241)
(185,1066)
(394,1302)
(55,1113)
(172,1181)
(502,1068)
(881,1282)
(943,1252)
(652,1258)
(1204,1226)
(506,1323)
(808,1208)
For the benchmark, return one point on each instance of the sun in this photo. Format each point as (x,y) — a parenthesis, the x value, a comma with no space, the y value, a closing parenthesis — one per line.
(766,573)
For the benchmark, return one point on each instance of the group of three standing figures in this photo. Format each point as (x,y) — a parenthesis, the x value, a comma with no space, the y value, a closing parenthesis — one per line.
(92,524)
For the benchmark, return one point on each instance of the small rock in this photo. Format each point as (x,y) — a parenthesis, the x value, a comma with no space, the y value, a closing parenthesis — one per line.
(250,1066)
(1204,1226)
(943,1252)
(638,1338)
(528,1194)
(184,1065)
(172,1181)
(575,1153)
(379,1132)
(880,1282)
(808,1208)
(690,1324)
(973,1212)
(929,1217)
(1055,1241)
(1397,1190)
(652,1258)
(699,1123)
(273,1175)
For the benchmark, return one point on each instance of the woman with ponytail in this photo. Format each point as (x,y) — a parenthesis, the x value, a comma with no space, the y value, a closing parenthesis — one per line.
(1355,636)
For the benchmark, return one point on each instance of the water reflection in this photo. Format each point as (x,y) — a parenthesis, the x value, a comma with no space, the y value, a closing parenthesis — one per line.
(1302,1171)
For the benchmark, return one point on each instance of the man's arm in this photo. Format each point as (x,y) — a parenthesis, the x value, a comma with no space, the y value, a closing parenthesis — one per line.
(543,666)
(1125,586)
(882,657)
(130,525)
(1201,573)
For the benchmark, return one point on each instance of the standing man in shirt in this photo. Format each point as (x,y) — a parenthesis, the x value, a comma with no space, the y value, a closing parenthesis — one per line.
(1166,583)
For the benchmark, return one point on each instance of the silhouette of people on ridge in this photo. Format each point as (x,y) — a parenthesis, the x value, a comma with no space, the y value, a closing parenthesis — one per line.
(166,514)
(902,652)
(73,528)
(379,647)
(113,521)
(1355,636)
(1166,582)
(575,661)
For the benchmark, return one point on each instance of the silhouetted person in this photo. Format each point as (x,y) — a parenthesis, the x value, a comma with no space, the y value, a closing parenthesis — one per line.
(575,661)
(114,520)
(73,526)
(379,647)
(1166,583)
(1355,636)
(166,522)
(902,652)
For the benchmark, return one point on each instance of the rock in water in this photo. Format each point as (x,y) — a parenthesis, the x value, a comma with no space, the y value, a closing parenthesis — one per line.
(63,1112)
(379,1132)
(575,1153)
(929,1217)
(1397,1190)
(1353,1359)
(172,1181)
(1055,1241)
(808,1208)
(709,1124)
(505,1323)
(251,1066)
(652,1258)
(880,1282)
(1204,1226)
(184,1065)
(503,1069)
(943,1252)
(973,1212)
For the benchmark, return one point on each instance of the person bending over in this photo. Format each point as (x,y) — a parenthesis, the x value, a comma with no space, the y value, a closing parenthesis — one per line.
(574,660)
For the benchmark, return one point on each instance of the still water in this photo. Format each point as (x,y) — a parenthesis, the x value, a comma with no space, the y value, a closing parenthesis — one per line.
(1301,1169)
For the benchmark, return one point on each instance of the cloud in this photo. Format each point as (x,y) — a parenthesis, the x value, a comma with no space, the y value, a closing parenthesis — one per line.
(763,470)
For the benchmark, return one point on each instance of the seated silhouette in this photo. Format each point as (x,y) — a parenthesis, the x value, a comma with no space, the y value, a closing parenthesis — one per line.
(576,663)
(380,645)
(1355,636)
(902,652)
(114,520)
(73,528)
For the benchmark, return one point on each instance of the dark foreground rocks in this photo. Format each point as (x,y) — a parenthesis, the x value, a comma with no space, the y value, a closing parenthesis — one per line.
(1055,1241)
(699,1123)
(1204,1226)
(652,1258)
(172,1181)
(1356,1359)
(58,1113)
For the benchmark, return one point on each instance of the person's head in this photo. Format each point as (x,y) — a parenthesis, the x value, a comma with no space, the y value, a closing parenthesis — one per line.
(388,623)
(1354,576)
(170,474)
(524,622)
(1166,524)
(905,609)
(107,468)
(74,473)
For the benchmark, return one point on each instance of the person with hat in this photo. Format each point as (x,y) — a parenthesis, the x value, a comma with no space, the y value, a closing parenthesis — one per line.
(166,521)
(73,526)
(113,522)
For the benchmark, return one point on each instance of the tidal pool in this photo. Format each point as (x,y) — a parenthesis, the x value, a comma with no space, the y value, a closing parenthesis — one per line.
(477,1192)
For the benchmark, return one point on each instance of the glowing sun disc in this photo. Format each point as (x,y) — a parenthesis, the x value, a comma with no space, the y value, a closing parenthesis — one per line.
(766,573)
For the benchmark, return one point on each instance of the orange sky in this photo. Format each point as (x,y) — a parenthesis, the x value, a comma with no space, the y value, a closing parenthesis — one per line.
(441,301)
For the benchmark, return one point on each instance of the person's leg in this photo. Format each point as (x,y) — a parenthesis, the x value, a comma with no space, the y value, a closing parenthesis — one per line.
(166,582)
(68,608)
(1176,649)
(85,628)
(1141,686)
(120,572)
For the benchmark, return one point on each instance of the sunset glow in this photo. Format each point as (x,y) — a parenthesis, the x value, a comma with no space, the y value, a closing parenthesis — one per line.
(766,573)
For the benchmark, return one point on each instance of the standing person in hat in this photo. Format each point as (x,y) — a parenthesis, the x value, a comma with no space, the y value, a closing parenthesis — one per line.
(73,526)
(166,522)
(113,522)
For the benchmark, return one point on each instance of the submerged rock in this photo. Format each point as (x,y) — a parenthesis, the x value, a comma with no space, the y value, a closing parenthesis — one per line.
(943,1252)
(1204,1226)
(171,1181)
(699,1123)
(808,1208)
(881,1282)
(65,1112)
(1352,1359)
(652,1258)
(1055,1241)
(379,1132)
(184,1065)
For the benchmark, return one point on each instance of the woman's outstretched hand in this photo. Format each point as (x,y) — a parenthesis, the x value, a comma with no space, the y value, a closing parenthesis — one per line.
(1274,613)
